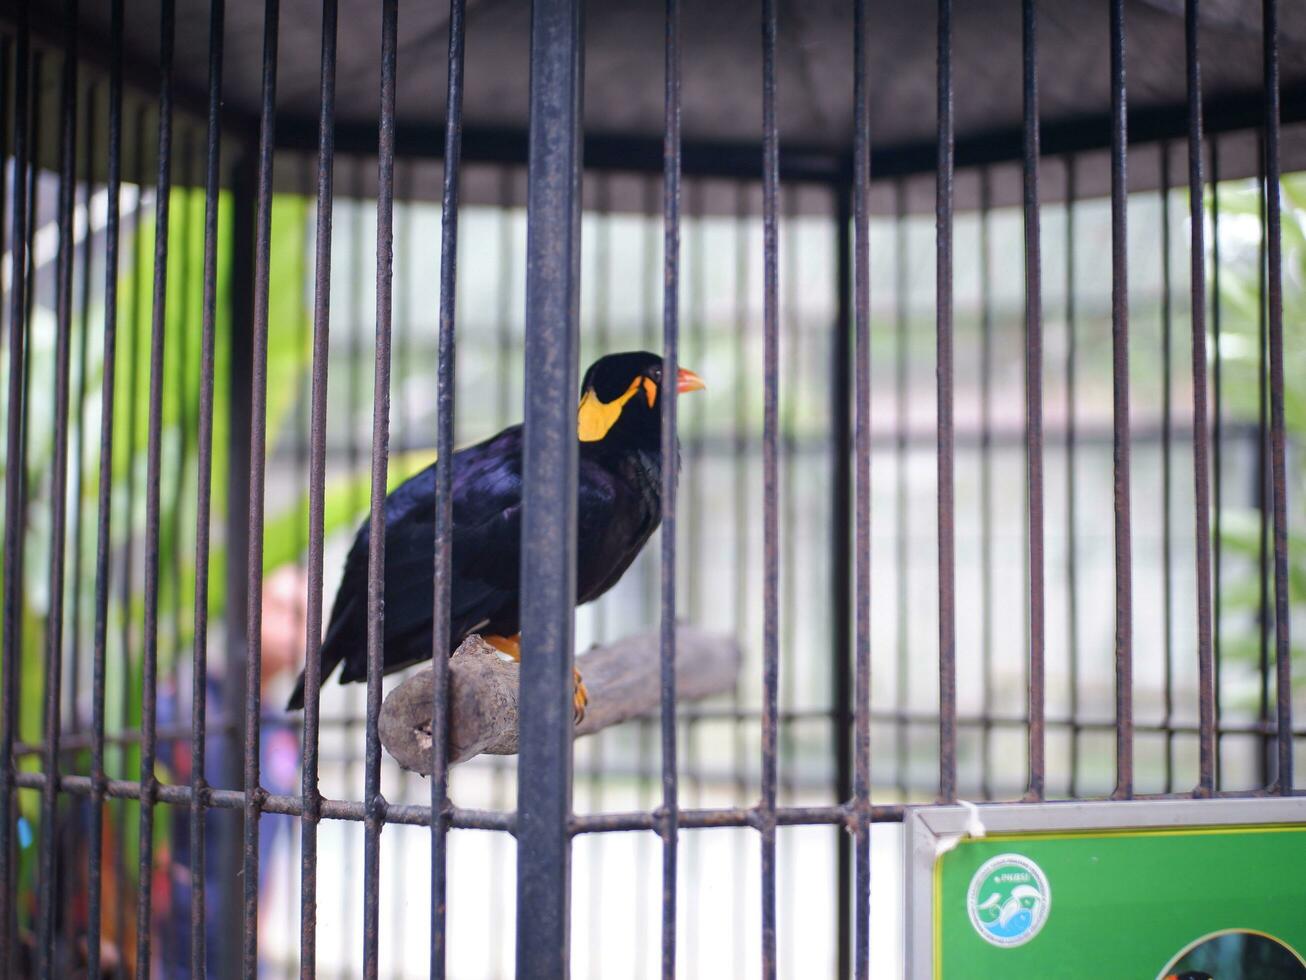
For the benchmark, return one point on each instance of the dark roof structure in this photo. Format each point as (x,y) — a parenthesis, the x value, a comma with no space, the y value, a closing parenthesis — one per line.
(722,71)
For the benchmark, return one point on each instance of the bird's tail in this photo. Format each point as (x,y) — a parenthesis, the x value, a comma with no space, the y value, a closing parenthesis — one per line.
(332,652)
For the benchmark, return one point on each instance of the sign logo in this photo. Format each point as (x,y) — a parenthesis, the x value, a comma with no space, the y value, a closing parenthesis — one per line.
(1008,900)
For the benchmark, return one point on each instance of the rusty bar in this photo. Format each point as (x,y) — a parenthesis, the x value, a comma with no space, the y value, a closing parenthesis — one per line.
(1217,458)
(1121,414)
(204,498)
(47,882)
(841,570)
(549,472)
(154,449)
(1072,511)
(104,499)
(1274,303)
(254,792)
(902,578)
(1124,650)
(1167,440)
(1033,394)
(1201,431)
(374,802)
(1264,493)
(74,718)
(770,482)
(988,572)
(947,516)
(325,200)
(669,815)
(861,199)
(12,635)
(445,392)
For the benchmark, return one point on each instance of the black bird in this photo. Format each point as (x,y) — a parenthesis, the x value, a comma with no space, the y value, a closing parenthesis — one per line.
(619,506)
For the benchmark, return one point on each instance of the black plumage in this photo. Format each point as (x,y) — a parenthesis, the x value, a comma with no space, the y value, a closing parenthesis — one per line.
(618,508)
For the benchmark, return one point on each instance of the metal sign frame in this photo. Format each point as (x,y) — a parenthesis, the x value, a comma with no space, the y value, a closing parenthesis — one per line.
(931,831)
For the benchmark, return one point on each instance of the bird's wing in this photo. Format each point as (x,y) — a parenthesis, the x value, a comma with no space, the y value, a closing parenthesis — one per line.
(486,506)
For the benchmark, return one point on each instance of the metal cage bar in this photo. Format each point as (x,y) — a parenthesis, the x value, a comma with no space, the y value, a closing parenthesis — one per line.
(549,467)
(1034,397)
(14,506)
(256,485)
(1120,421)
(670,814)
(861,799)
(154,449)
(1274,301)
(947,515)
(770,482)
(374,803)
(325,188)
(204,495)
(49,887)
(444,486)
(1201,432)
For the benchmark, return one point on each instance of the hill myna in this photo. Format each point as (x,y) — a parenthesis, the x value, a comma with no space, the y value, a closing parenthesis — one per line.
(619,506)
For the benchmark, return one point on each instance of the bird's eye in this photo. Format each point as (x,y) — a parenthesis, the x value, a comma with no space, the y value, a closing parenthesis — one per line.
(655,374)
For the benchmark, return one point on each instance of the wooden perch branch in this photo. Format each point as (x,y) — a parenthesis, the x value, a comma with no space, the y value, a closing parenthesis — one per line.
(622,680)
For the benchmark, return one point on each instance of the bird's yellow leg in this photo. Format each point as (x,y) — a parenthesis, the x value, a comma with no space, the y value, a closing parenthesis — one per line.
(511,645)
(579,698)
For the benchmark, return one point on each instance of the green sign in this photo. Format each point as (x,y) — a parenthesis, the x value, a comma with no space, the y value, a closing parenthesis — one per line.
(1142,902)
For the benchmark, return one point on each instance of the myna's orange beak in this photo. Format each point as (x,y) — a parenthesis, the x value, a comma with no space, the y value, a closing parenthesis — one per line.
(687,380)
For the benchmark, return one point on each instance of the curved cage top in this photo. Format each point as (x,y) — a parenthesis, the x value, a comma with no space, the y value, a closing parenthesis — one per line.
(623,76)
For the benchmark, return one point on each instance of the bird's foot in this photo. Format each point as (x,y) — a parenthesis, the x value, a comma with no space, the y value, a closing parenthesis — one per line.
(509,645)
(579,698)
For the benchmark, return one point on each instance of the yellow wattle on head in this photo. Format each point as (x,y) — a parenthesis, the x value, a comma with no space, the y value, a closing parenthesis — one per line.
(596,417)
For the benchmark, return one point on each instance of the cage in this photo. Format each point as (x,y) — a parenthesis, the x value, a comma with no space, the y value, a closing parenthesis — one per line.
(997,482)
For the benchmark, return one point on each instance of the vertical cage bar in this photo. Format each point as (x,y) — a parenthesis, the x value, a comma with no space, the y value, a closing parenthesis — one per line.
(75,645)
(48,885)
(445,393)
(770,482)
(988,573)
(104,501)
(1264,493)
(374,803)
(841,571)
(901,499)
(204,497)
(312,798)
(669,819)
(1274,295)
(153,451)
(1201,432)
(1217,458)
(254,792)
(946,502)
(1120,452)
(861,194)
(1033,393)
(548,556)
(1072,510)
(1167,465)
(12,637)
